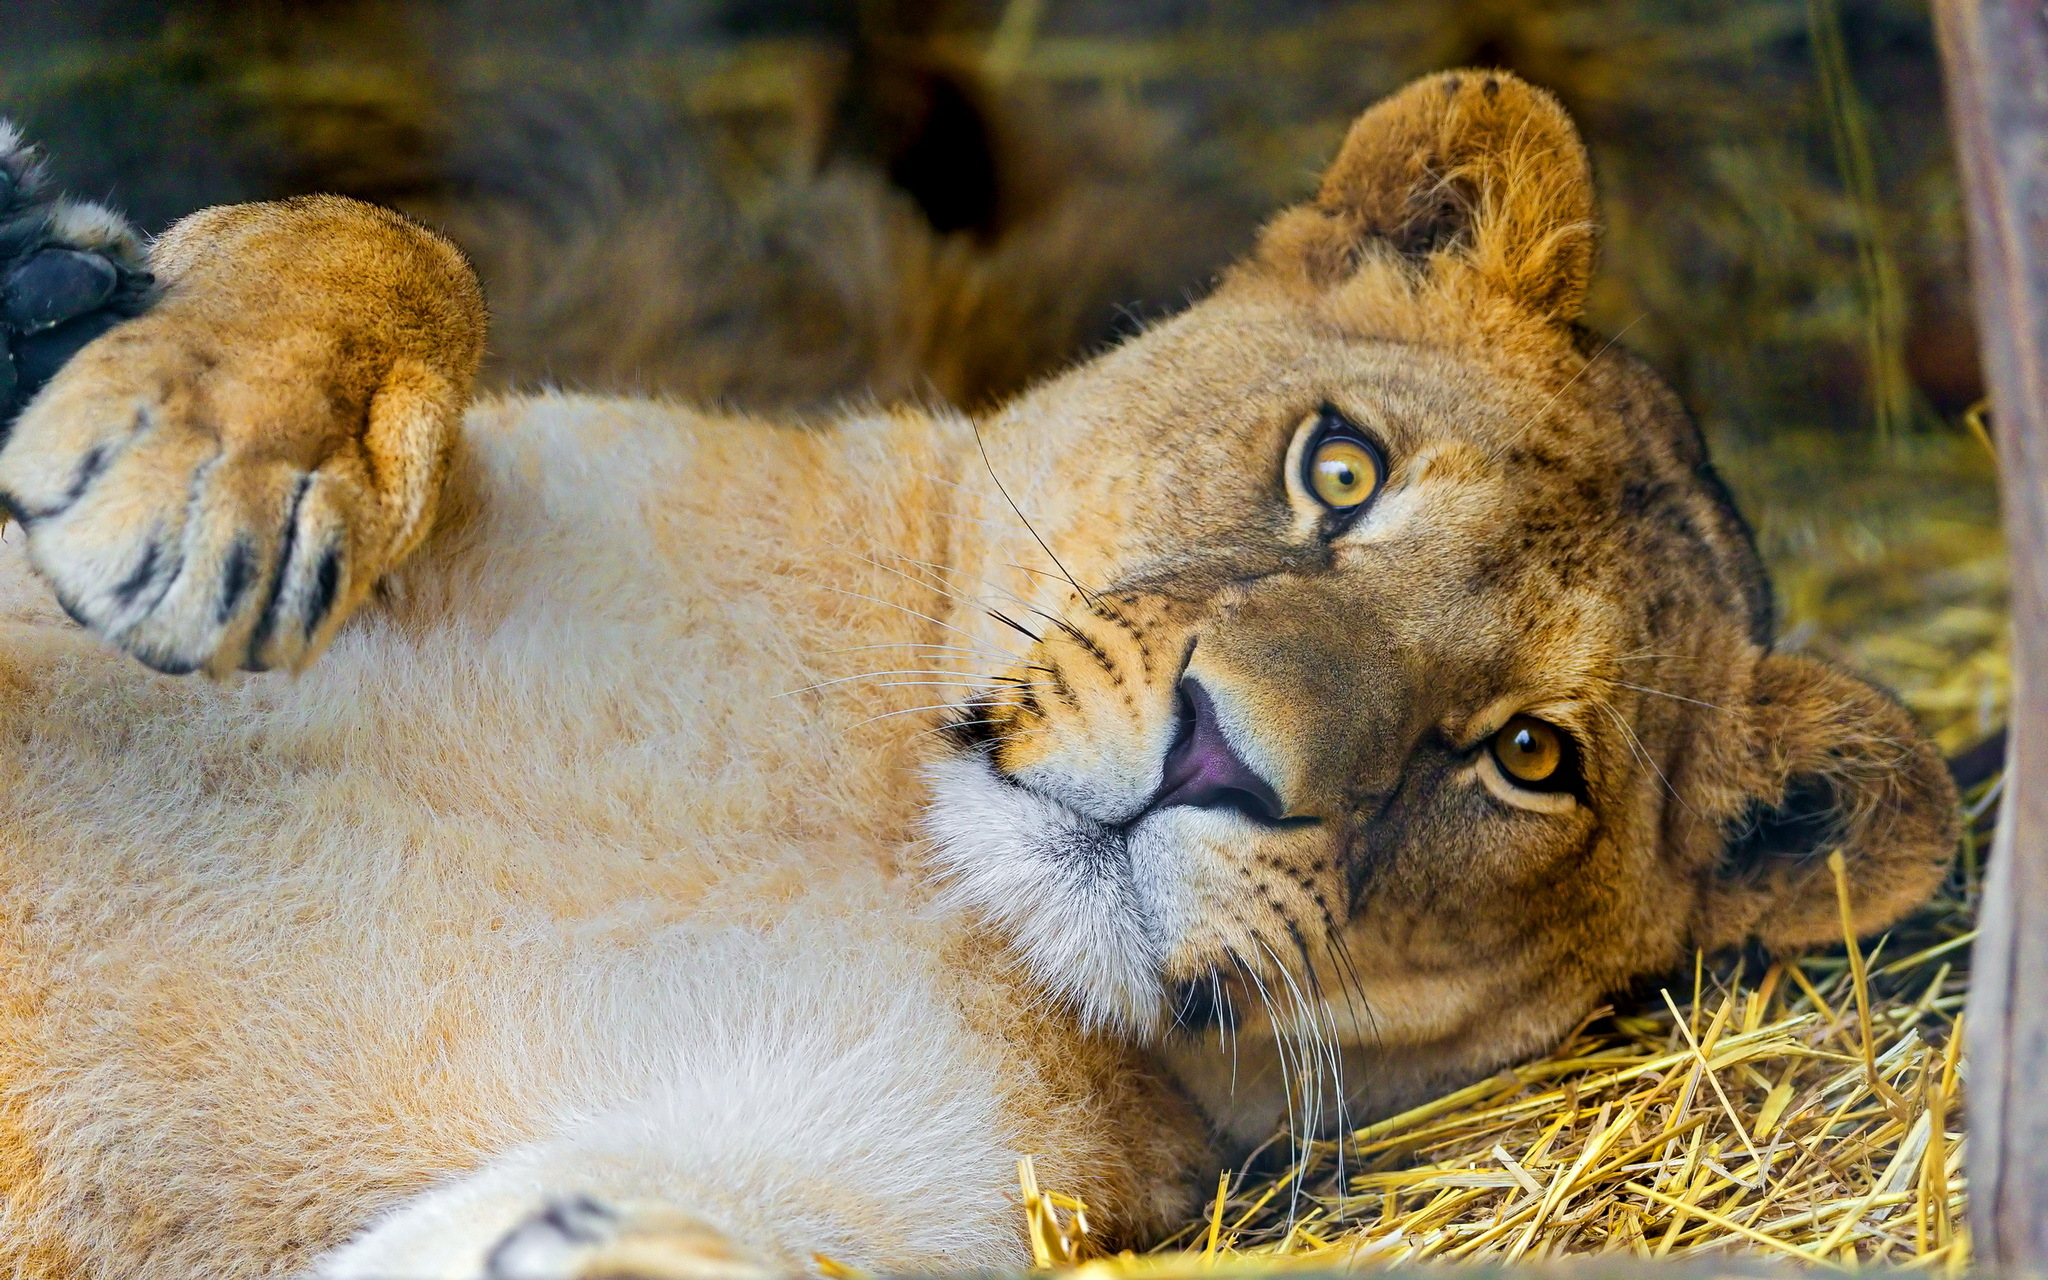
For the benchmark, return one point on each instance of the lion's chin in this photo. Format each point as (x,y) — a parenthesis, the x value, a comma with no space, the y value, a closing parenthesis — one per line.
(1056,883)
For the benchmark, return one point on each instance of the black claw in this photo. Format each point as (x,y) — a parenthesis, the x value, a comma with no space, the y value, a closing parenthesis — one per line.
(131,586)
(53,286)
(89,468)
(326,582)
(236,576)
(164,663)
(266,622)
(71,610)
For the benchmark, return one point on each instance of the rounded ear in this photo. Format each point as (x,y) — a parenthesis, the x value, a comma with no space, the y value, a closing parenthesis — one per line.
(1838,765)
(1476,166)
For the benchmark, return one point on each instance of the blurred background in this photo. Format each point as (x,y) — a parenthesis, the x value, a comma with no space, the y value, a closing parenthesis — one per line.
(784,204)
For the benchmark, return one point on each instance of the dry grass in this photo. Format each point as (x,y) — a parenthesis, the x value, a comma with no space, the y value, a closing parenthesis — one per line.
(1807,1110)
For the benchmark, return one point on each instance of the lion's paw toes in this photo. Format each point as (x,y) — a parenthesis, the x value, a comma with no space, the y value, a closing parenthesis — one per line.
(172,542)
(579,1238)
(69,271)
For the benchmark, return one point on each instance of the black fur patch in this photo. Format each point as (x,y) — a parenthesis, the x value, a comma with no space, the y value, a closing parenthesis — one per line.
(131,586)
(326,584)
(266,623)
(55,296)
(236,576)
(1800,828)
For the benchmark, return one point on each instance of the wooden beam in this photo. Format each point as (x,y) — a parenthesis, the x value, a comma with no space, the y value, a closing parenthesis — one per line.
(1996,56)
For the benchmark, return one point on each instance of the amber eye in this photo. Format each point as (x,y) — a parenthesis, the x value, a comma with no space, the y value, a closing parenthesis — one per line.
(1340,467)
(1342,473)
(1532,753)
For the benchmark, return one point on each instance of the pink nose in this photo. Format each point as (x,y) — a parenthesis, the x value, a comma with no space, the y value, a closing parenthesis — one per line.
(1202,770)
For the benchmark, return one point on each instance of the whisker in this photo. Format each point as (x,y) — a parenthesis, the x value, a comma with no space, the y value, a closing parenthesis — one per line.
(1536,418)
(1326,1029)
(956,684)
(993,650)
(1642,753)
(913,644)
(1289,1062)
(1012,624)
(987,524)
(940,589)
(866,675)
(962,724)
(1325,1053)
(910,711)
(1675,697)
(993,586)
(983,446)
(1309,1055)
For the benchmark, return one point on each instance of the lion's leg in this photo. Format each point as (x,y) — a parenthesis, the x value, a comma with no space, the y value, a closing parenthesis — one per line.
(217,482)
(678,1188)
(760,1096)
(570,1210)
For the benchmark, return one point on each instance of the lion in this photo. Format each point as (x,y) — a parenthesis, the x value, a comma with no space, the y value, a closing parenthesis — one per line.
(611,837)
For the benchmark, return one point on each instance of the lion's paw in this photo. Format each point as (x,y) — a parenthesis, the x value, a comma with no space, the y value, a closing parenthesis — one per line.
(69,271)
(580,1238)
(181,551)
(219,481)
(177,541)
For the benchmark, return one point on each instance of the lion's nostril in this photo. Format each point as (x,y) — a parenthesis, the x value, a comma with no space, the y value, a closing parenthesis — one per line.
(1204,771)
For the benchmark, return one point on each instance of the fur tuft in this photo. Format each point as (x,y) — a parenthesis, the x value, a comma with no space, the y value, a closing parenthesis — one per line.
(1055,883)
(87,225)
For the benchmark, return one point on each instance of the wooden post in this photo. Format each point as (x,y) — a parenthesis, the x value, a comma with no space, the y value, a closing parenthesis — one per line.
(1996,56)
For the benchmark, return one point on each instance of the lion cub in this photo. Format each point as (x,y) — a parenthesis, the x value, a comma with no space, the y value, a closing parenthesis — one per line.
(703,843)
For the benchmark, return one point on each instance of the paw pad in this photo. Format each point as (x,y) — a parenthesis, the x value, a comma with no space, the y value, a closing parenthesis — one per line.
(69,271)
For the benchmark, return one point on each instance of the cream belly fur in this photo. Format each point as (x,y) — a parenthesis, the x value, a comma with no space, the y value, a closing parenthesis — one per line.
(549,854)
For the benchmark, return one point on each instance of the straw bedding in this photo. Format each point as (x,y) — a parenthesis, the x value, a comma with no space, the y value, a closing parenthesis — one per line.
(1808,1109)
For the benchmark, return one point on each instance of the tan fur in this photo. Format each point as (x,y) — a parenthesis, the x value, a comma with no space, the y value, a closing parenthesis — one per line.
(682,863)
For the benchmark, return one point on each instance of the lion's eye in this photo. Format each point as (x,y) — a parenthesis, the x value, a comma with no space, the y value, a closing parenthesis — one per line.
(1533,753)
(1342,473)
(1341,468)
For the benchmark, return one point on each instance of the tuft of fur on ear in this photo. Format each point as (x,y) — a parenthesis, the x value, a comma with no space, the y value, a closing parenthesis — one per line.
(1478,168)
(1839,765)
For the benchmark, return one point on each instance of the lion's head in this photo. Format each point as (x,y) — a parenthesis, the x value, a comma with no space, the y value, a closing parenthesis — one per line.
(1419,688)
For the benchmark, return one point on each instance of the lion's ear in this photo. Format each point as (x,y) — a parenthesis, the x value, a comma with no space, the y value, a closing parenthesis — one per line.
(1479,165)
(1838,765)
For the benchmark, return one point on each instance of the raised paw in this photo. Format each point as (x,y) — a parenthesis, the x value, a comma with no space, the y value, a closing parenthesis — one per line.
(69,271)
(185,544)
(580,1238)
(216,483)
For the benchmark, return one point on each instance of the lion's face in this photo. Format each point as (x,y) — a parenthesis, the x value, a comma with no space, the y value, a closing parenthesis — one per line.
(1417,689)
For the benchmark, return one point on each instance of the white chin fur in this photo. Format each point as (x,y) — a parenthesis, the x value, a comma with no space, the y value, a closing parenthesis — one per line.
(1057,884)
